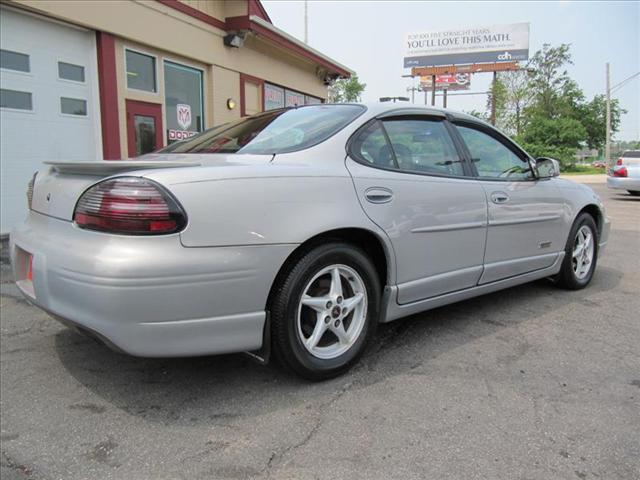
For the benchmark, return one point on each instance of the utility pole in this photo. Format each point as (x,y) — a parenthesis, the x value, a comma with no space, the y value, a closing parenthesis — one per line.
(433,90)
(444,98)
(493,98)
(607,141)
(306,21)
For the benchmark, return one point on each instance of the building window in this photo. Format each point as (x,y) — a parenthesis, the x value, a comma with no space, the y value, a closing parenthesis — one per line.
(309,100)
(69,71)
(184,106)
(273,97)
(14,61)
(73,106)
(16,100)
(141,71)
(293,99)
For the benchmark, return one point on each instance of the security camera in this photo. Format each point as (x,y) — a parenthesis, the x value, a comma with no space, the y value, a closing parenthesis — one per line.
(235,40)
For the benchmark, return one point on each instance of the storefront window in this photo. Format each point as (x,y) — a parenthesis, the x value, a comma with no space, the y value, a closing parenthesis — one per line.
(183,101)
(293,99)
(273,97)
(141,71)
(308,100)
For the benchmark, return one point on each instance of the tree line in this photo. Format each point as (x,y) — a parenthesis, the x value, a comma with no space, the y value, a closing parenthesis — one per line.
(540,106)
(545,110)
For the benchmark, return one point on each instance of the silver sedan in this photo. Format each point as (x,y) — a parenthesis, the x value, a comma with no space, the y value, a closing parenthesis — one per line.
(297,231)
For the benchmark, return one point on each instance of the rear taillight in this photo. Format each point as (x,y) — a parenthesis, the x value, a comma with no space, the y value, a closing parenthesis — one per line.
(619,162)
(620,172)
(30,186)
(129,205)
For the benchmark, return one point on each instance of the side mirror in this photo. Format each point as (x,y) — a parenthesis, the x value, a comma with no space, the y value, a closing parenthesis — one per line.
(547,167)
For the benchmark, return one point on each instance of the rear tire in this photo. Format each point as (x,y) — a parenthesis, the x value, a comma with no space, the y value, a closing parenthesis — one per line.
(324,311)
(581,254)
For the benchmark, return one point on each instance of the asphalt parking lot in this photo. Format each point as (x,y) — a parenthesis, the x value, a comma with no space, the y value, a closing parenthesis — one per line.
(528,383)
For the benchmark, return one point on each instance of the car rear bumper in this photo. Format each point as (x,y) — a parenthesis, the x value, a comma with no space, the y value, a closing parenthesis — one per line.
(148,296)
(624,183)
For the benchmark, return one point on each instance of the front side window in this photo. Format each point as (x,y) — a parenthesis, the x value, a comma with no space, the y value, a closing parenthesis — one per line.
(492,158)
(141,71)
(275,132)
(422,145)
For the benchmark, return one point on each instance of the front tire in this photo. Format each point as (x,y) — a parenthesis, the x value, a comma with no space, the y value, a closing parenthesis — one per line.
(581,254)
(324,310)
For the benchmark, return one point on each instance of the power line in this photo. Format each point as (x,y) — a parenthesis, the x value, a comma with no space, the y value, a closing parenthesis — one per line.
(624,82)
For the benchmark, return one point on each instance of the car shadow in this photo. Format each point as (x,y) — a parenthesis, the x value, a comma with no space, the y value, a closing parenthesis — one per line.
(622,197)
(224,390)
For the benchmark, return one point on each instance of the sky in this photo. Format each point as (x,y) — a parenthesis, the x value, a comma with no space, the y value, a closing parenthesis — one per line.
(368,37)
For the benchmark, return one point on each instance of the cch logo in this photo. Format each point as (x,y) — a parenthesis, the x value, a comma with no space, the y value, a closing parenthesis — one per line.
(184,115)
(504,56)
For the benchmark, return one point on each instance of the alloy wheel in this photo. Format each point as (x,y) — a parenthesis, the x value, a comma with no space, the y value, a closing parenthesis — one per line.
(583,251)
(332,311)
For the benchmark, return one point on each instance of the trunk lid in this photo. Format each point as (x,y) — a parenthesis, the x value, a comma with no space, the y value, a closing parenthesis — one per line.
(57,189)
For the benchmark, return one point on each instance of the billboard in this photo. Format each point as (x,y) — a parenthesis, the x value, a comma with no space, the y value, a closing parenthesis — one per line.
(495,43)
(458,81)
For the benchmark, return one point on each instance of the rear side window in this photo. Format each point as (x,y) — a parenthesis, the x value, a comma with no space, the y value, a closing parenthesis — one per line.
(274,132)
(423,146)
(371,146)
(413,145)
(631,154)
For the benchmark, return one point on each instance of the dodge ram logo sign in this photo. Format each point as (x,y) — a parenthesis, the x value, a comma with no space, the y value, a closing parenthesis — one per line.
(184,115)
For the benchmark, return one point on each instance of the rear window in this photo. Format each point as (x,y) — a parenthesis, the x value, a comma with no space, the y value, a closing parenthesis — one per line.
(273,132)
(631,154)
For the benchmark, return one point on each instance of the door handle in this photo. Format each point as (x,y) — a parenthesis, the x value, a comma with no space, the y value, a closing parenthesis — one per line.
(378,195)
(499,197)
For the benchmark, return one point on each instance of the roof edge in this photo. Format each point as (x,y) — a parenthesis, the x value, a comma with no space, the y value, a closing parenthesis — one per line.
(298,45)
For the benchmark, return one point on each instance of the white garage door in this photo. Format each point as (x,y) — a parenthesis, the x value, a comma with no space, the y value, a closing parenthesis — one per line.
(49,107)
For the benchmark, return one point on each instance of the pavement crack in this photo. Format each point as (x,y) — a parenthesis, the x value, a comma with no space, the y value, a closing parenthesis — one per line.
(277,457)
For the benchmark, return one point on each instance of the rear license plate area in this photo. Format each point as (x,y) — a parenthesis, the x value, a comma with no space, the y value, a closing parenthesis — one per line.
(24,271)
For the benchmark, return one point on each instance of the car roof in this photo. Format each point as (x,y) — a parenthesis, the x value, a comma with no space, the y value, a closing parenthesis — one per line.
(375,109)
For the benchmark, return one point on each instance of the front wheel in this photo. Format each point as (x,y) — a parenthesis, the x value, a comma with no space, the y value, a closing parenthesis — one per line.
(581,254)
(324,310)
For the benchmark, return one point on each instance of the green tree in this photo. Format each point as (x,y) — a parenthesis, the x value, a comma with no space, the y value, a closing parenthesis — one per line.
(518,96)
(593,118)
(553,137)
(554,91)
(346,90)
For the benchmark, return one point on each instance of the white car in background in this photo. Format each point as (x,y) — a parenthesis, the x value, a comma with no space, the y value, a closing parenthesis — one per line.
(626,177)
(629,157)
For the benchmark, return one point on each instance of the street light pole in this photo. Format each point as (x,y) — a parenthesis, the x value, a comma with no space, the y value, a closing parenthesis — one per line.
(607,141)
(306,22)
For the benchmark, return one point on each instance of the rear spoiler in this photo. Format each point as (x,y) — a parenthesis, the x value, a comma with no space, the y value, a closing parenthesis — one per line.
(110,167)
